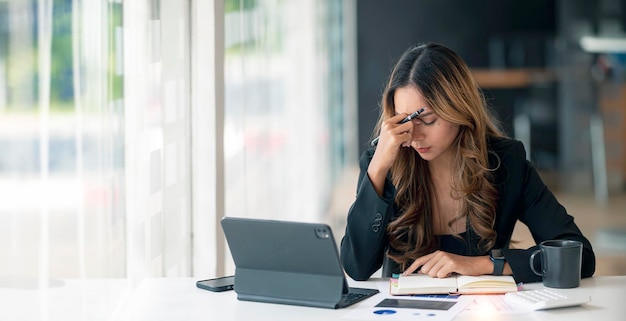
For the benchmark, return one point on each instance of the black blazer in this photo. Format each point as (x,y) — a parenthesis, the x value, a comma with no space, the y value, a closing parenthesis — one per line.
(523,197)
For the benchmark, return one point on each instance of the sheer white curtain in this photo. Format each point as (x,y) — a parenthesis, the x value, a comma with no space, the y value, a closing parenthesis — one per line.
(157,136)
(95,169)
(96,127)
(61,133)
(283,73)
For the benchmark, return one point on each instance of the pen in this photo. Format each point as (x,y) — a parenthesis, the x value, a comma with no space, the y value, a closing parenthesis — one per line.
(408,118)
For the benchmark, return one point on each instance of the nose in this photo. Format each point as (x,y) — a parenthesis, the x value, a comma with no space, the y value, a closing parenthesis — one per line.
(418,134)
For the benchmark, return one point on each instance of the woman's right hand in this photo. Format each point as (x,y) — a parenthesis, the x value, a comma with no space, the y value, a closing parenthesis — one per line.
(393,135)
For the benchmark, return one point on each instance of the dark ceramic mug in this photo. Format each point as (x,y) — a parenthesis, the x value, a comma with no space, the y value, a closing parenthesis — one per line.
(561,262)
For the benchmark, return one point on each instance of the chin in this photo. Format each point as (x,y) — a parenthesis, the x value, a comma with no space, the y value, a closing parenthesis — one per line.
(428,159)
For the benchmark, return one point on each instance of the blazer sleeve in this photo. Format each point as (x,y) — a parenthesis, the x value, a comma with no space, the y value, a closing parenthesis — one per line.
(539,209)
(365,240)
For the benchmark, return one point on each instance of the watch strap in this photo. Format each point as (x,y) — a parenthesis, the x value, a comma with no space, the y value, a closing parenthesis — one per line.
(498,263)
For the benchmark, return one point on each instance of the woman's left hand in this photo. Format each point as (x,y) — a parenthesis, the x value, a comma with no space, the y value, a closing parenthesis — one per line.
(442,264)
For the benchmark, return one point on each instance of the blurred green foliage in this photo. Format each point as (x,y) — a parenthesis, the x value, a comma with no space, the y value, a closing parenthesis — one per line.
(236,5)
(20,74)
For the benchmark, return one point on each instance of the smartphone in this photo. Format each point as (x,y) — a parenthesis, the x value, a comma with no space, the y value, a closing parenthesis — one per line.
(221,284)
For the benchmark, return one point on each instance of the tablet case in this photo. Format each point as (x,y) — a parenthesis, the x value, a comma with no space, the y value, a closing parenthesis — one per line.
(285,262)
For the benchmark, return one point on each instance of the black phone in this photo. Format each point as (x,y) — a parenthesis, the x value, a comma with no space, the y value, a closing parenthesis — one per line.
(220,284)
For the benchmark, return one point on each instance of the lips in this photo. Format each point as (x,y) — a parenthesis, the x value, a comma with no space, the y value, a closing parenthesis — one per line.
(423,150)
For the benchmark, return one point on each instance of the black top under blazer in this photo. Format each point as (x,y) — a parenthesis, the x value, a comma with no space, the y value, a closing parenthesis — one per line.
(522,196)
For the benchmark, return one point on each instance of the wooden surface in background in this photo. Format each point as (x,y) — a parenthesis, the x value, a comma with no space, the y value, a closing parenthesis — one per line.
(512,78)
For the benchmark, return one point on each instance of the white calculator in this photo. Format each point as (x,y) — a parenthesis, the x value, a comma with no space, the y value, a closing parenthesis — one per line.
(543,299)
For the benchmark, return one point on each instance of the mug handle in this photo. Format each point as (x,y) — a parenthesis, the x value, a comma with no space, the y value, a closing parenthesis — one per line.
(531,261)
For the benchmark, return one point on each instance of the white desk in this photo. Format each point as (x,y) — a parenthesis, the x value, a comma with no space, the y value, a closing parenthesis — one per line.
(179,299)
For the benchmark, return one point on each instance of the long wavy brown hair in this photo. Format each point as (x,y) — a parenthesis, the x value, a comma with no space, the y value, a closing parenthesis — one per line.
(445,82)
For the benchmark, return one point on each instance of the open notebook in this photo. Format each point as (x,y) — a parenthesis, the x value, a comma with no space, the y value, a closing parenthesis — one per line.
(461,284)
(289,263)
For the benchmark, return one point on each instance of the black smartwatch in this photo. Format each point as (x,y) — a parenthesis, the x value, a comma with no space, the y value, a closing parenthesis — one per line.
(498,261)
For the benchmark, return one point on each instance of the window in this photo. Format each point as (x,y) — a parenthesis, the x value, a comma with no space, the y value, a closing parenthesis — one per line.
(105,140)
(284,108)
(62,137)
(95,132)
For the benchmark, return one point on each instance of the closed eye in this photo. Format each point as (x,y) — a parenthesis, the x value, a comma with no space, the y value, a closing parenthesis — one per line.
(422,121)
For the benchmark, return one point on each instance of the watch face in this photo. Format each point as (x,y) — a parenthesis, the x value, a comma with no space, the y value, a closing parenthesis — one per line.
(497,254)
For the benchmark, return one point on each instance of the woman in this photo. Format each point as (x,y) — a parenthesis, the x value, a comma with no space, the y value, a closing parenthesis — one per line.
(442,192)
